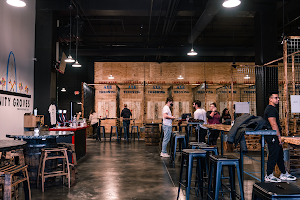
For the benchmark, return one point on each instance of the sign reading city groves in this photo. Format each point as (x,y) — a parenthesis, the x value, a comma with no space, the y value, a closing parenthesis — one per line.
(13,99)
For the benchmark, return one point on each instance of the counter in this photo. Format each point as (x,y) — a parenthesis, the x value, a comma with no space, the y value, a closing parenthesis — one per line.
(78,139)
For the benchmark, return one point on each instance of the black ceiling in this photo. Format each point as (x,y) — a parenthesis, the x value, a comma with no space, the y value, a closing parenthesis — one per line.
(160,30)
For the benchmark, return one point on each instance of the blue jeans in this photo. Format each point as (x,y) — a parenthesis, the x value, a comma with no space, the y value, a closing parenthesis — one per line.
(167,135)
(126,123)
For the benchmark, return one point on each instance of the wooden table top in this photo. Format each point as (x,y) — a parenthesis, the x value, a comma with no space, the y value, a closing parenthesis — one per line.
(8,145)
(291,140)
(220,127)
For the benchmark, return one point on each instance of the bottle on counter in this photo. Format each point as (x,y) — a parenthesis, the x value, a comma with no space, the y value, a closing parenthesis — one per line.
(74,122)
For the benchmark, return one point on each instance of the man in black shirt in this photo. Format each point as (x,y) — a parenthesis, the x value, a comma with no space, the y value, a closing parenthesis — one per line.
(126,118)
(274,142)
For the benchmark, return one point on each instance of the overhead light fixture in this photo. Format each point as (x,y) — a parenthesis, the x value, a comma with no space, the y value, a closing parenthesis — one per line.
(79,103)
(111,76)
(180,77)
(231,3)
(16,3)
(70,59)
(63,89)
(247,77)
(76,64)
(192,52)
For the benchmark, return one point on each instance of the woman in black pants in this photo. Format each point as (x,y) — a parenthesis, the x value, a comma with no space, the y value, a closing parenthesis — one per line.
(213,117)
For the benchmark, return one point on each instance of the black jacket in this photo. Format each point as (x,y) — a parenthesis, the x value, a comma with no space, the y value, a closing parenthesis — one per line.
(246,122)
(126,113)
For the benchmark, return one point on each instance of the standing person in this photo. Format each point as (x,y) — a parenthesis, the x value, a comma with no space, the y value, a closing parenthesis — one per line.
(226,116)
(126,118)
(200,114)
(94,121)
(274,142)
(167,126)
(213,117)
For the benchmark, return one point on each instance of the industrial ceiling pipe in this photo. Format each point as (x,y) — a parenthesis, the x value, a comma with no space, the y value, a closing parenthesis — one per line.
(212,8)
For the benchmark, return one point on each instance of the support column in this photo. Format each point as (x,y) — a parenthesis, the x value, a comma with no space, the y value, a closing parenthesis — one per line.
(44,72)
(266,48)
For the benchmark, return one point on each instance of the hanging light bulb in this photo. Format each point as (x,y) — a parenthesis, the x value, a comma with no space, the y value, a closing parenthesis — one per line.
(63,89)
(111,77)
(16,3)
(180,77)
(70,59)
(76,64)
(231,3)
(192,53)
(247,77)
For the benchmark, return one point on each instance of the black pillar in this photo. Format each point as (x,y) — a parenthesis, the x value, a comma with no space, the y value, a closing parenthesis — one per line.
(44,72)
(266,48)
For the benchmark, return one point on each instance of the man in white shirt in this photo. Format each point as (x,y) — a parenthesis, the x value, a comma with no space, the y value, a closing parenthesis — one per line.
(167,126)
(200,114)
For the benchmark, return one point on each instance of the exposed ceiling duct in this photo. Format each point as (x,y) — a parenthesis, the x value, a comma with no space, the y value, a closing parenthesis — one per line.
(212,8)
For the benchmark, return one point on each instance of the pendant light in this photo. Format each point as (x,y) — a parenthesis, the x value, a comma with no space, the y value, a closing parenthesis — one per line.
(180,77)
(16,3)
(76,64)
(192,52)
(111,76)
(247,75)
(231,3)
(70,59)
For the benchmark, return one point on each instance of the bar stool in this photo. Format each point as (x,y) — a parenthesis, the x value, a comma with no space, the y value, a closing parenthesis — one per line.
(111,130)
(189,155)
(99,132)
(73,164)
(125,133)
(137,131)
(217,163)
(61,153)
(173,146)
(11,176)
(193,145)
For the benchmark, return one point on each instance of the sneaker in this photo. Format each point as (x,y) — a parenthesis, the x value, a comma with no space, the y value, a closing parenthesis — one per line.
(272,178)
(165,155)
(287,177)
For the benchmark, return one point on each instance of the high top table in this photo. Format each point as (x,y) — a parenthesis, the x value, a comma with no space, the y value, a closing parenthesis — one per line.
(189,125)
(35,142)
(220,127)
(263,133)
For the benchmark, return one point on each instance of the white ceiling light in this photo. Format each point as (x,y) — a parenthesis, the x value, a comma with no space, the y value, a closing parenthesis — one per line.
(70,59)
(76,64)
(111,77)
(79,103)
(180,77)
(192,53)
(247,77)
(231,3)
(63,89)
(16,3)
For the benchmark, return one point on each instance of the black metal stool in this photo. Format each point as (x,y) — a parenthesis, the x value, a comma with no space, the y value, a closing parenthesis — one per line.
(137,131)
(182,144)
(111,130)
(216,165)
(99,132)
(189,155)
(126,134)
(272,191)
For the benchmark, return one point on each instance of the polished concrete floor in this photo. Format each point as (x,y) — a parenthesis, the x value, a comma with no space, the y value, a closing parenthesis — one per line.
(131,171)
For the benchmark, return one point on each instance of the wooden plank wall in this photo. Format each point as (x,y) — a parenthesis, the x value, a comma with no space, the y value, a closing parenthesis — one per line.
(159,77)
